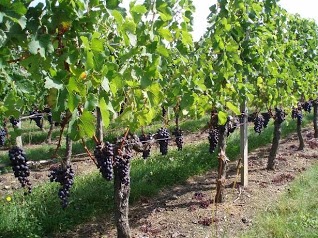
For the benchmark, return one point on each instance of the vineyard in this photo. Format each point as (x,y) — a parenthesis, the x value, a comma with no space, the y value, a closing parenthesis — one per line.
(97,99)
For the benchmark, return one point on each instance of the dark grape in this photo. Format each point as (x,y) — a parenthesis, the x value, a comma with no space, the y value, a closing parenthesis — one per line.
(37,118)
(104,155)
(279,115)
(64,176)
(267,116)
(20,167)
(307,106)
(232,125)
(122,163)
(241,117)
(144,139)
(178,133)
(49,114)
(297,114)
(163,139)
(3,134)
(213,139)
(13,121)
(258,123)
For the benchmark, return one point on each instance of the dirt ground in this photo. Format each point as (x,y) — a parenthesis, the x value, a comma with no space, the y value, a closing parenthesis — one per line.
(187,210)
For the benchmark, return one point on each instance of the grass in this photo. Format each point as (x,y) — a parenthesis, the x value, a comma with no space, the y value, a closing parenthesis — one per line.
(40,214)
(295,215)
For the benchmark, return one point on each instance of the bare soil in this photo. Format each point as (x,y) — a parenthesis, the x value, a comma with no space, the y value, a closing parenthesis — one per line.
(187,210)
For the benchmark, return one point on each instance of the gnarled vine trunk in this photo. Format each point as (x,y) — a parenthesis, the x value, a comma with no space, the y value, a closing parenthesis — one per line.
(275,144)
(49,134)
(222,167)
(300,136)
(315,105)
(121,197)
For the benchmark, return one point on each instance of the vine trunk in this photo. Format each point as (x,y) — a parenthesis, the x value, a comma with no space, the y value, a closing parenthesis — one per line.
(275,144)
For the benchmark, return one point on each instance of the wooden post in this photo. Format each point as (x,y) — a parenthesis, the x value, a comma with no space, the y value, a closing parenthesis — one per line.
(18,139)
(244,147)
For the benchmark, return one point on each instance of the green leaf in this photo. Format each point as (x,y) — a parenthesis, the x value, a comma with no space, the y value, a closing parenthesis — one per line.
(97,45)
(222,118)
(19,8)
(141,9)
(118,17)
(187,38)
(163,51)
(112,4)
(166,34)
(104,111)
(51,83)
(35,47)
(87,124)
(91,102)
(89,60)
(233,108)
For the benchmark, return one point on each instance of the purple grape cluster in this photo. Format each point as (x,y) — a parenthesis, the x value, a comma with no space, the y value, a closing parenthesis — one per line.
(14,122)
(163,136)
(49,115)
(267,116)
(121,165)
(178,133)
(213,139)
(297,114)
(64,176)
(279,115)
(307,106)
(258,123)
(3,134)
(37,118)
(144,139)
(20,167)
(104,154)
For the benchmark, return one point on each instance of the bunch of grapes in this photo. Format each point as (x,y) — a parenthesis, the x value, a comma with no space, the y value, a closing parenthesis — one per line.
(163,139)
(307,106)
(14,122)
(64,176)
(258,124)
(232,124)
(267,116)
(178,133)
(144,139)
(37,118)
(3,134)
(279,115)
(49,115)
(297,114)
(241,117)
(122,163)
(19,166)
(213,139)
(104,155)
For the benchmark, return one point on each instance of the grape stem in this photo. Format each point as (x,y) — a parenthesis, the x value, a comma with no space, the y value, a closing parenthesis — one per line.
(89,153)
